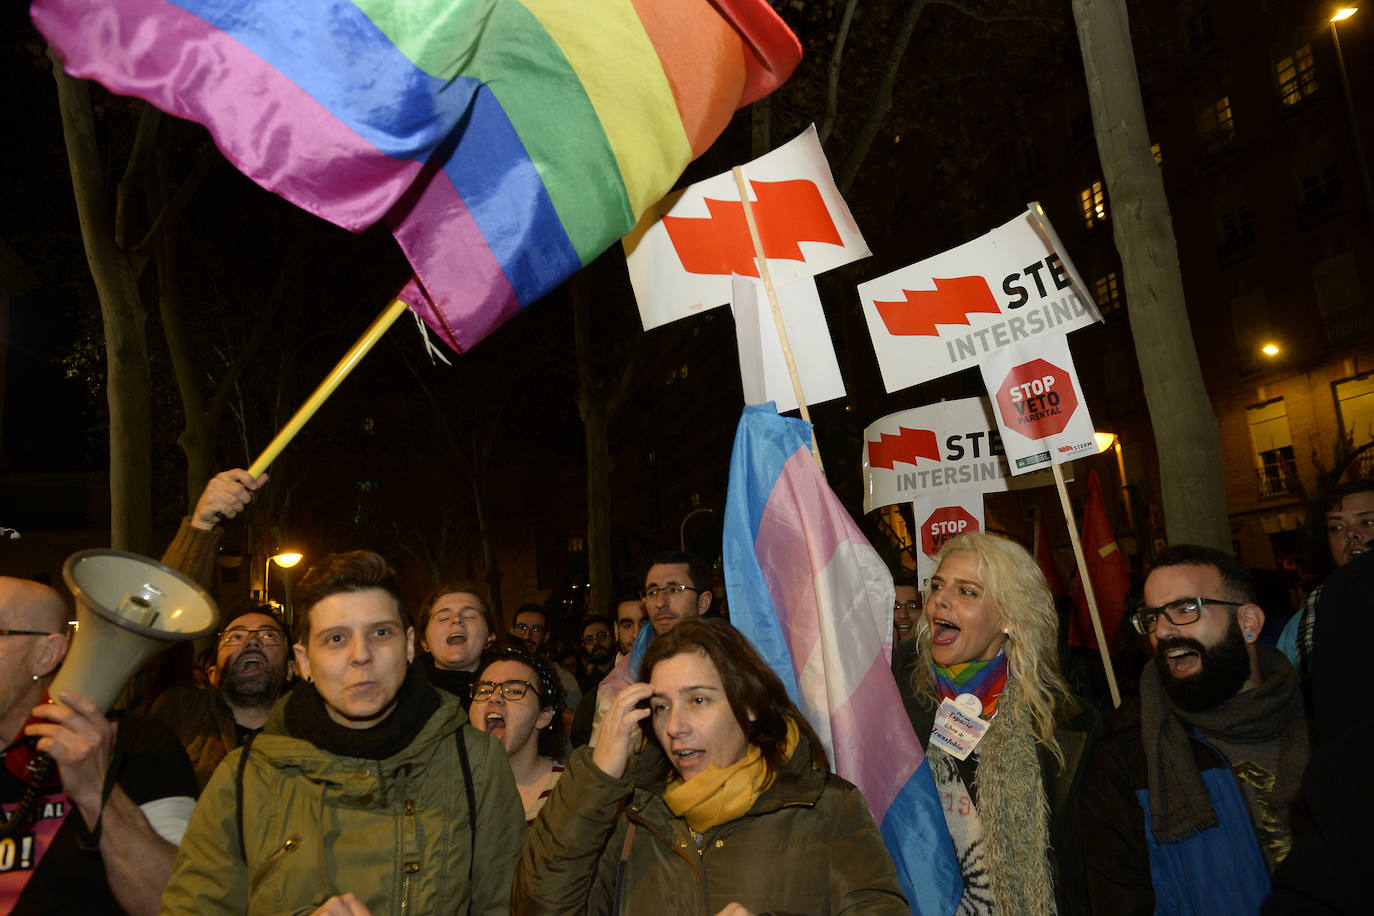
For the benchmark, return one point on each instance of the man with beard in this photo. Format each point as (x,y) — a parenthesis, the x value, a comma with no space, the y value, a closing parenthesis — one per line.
(598,643)
(251,667)
(1186,807)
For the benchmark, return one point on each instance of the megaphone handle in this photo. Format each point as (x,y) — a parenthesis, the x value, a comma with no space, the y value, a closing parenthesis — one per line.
(39,768)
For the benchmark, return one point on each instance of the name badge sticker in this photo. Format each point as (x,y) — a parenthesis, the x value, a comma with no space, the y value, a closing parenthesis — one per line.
(956,732)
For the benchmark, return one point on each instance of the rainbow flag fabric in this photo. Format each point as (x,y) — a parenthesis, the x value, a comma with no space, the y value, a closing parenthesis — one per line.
(815,599)
(506,143)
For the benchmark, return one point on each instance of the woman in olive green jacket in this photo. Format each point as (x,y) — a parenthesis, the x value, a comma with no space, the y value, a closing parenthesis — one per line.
(730,807)
(357,796)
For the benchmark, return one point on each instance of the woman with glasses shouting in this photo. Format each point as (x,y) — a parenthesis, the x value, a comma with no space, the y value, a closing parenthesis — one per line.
(516,699)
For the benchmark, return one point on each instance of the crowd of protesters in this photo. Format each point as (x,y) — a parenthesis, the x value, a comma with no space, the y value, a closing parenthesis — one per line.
(393,758)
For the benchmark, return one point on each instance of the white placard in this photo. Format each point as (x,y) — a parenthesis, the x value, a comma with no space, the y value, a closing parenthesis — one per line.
(762,365)
(940,517)
(952,445)
(950,311)
(1038,404)
(685,248)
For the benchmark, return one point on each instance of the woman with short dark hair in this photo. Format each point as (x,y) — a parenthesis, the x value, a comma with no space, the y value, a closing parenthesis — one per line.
(729,805)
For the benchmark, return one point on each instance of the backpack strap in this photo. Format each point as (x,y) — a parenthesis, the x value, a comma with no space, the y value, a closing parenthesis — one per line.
(472,804)
(238,791)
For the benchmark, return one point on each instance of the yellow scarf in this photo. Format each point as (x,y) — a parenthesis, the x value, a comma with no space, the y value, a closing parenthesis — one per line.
(721,794)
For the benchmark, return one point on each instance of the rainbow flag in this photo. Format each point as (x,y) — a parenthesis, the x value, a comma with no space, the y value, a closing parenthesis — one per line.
(506,143)
(815,599)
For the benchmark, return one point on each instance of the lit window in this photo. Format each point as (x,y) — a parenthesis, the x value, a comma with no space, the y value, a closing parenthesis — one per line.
(1093,204)
(1158,154)
(1108,294)
(1275,466)
(1297,75)
(1215,126)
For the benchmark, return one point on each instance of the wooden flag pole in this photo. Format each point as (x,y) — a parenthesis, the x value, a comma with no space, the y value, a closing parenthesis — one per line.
(767,278)
(1087,582)
(340,372)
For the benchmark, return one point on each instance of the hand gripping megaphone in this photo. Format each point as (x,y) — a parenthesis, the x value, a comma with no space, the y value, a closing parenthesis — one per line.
(127,607)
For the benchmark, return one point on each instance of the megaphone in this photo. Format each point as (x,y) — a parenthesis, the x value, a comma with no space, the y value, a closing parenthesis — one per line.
(127,606)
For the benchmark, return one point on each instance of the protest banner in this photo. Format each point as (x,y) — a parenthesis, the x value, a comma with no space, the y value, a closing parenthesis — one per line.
(685,248)
(952,445)
(950,311)
(1040,408)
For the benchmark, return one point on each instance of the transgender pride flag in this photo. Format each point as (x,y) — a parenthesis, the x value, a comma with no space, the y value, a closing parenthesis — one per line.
(816,601)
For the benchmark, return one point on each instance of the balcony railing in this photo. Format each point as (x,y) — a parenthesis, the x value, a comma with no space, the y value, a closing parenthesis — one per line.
(1278,479)
(1345,325)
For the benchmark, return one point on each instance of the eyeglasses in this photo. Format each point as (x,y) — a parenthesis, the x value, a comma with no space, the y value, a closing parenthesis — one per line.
(4,632)
(669,591)
(592,639)
(268,636)
(524,628)
(1180,613)
(511,690)
(906,606)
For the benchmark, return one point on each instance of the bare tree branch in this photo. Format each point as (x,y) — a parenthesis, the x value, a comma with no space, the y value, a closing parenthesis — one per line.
(832,89)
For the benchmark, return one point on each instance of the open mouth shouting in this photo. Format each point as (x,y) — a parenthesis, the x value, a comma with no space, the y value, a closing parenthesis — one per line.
(943,631)
(457,638)
(1183,657)
(495,725)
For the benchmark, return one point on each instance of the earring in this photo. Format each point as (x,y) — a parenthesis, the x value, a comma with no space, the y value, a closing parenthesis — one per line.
(35,678)
(1249,636)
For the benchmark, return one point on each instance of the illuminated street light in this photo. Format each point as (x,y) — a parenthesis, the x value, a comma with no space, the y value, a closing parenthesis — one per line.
(285,561)
(1356,141)
(1104,441)
(1270,349)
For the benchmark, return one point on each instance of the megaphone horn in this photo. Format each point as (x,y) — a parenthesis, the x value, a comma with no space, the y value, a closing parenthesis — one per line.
(126,607)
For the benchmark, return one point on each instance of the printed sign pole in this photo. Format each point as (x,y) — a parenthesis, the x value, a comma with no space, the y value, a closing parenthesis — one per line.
(1087,586)
(767,277)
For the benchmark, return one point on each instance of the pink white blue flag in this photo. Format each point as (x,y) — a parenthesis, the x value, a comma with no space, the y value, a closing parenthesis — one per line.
(815,599)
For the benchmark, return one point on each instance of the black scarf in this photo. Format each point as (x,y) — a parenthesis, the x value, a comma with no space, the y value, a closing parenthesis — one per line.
(308,719)
(1179,802)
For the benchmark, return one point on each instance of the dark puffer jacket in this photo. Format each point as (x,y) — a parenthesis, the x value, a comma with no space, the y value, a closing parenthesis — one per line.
(604,845)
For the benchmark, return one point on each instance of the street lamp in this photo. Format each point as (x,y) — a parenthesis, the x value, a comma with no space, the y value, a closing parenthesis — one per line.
(1270,349)
(1360,160)
(285,561)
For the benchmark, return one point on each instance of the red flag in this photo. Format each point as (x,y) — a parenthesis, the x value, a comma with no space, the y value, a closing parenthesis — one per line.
(1044,558)
(1107,568)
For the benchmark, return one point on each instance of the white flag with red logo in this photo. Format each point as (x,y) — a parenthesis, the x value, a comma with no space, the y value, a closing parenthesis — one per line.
(950,311)
(685,248)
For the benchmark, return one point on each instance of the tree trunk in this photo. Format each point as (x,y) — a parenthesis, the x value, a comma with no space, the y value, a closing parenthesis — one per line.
(596,421)
(126,350)
(1185,428)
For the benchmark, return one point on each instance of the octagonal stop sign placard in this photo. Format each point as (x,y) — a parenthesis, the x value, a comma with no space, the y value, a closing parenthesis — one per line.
(1037,399)
(943,524)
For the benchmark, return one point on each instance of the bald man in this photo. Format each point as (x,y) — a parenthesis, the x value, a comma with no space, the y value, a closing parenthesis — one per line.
(138,822)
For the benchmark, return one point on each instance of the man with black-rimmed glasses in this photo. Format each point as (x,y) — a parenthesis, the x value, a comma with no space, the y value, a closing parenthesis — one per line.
(250,673)
(1186,806)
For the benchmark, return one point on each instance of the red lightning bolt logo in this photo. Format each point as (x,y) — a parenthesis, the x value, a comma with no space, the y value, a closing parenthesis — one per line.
(906,446)
(952,301)
(787,212)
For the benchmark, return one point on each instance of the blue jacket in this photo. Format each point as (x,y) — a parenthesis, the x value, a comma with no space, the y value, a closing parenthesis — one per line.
(1217,872)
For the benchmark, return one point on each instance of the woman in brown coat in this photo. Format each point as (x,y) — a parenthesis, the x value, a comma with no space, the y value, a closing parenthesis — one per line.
(730,807)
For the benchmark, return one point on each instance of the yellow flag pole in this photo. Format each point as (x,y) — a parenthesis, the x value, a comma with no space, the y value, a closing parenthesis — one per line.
(766,275)
(1087,582)
(336,376)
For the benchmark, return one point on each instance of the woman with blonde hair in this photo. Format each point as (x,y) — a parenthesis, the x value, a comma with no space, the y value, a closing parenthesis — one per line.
(1005,738)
